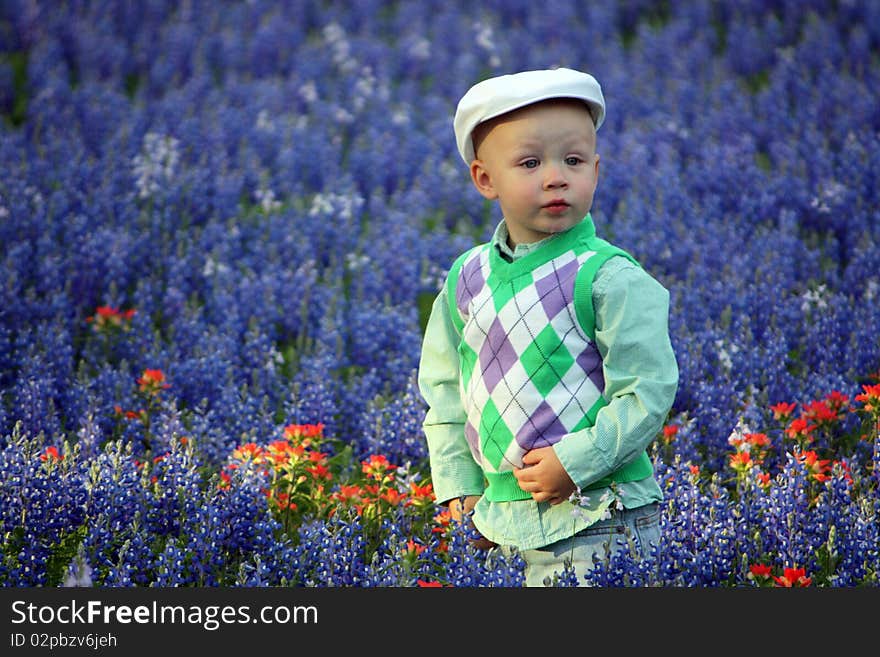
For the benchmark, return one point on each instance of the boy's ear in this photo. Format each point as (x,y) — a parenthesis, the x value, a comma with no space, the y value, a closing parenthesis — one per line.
(482,180)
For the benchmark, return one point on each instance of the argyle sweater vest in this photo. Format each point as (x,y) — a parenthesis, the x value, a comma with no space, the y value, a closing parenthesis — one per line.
(530,369)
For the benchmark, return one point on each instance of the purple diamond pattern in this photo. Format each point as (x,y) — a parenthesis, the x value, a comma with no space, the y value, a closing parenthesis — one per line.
(591,363)
(470,283)
(542,429)
(555,289)
(472,436)
(497,355)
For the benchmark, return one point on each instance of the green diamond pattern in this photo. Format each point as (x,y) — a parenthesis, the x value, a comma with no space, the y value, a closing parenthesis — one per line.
(492,424)
(546,360)
(467,358)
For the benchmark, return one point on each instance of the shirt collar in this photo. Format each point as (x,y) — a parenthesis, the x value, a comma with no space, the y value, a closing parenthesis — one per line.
(499,240)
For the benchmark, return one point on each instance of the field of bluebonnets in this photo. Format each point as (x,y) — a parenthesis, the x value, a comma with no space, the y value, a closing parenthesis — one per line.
(223,223)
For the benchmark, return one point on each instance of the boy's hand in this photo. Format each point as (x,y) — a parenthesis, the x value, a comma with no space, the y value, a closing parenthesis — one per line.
(459,508)
(543,476)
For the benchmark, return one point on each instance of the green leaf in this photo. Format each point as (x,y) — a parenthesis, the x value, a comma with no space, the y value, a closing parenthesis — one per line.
(62,554)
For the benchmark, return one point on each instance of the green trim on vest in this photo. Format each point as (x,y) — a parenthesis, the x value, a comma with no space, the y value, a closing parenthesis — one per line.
(503,486)
(637,469)
(580,233)
(452,285)
(583,286)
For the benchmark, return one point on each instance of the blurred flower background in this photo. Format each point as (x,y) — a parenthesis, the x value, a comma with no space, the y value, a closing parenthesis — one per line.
(222,225)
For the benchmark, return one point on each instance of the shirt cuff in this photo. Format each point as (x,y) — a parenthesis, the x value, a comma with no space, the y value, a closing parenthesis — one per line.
(583,471)
(454,472)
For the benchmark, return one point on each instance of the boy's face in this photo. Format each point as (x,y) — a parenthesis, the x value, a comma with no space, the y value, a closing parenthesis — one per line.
(540,162)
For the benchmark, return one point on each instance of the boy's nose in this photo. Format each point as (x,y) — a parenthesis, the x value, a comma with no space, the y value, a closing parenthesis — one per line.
(553,177)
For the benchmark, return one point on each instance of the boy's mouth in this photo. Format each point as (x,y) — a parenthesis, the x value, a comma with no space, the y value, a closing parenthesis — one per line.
(556,206)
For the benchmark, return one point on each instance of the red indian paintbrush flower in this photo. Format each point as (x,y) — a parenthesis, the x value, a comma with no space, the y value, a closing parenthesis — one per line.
(50,454)
(110,317)
(782,411)
(820,412)
(800,429)
(393,496)
(760,570)
(793,578)
(750,442)
(422,492)
(152,381)
(870,397)
(442,521)
(817,468)
(757,439)
(294,431)
(377,467)
(319,471)
(248,452)
(836,400)
(741,461)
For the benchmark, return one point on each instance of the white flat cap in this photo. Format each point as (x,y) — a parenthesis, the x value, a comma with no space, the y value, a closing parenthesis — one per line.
(496,96)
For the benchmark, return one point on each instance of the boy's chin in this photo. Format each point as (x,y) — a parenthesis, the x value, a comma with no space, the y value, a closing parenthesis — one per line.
(543,227)
(560,224)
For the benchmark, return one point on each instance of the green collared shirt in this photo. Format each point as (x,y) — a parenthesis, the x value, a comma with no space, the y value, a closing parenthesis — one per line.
(641,377)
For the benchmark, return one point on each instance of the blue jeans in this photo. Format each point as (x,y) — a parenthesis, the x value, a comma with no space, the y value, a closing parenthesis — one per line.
(641,523)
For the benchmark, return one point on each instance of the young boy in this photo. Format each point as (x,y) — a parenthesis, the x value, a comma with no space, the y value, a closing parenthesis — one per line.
(546,364)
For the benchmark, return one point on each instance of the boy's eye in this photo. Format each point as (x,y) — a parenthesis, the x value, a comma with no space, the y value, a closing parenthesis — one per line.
(572,161)
(530,163)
